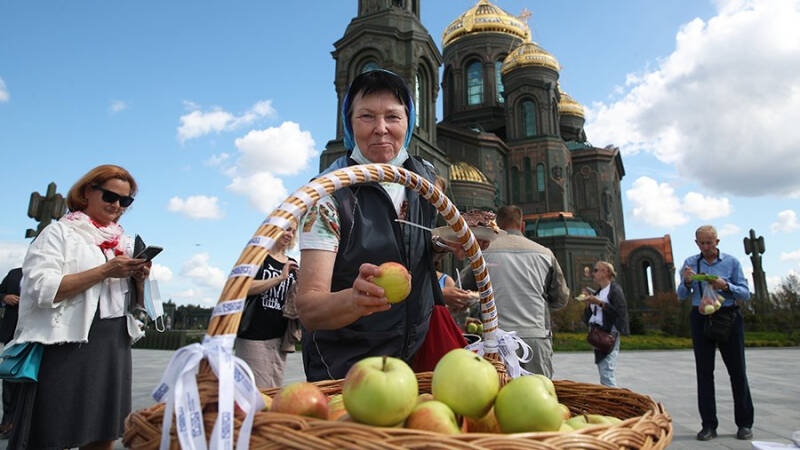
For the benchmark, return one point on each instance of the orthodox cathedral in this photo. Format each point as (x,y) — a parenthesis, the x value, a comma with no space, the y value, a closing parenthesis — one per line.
(508,135)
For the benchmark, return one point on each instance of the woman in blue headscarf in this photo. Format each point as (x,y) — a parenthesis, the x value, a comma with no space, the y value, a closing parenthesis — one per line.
(348,234)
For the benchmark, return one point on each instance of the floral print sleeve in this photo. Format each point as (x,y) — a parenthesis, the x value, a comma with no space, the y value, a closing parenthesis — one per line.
(320,229)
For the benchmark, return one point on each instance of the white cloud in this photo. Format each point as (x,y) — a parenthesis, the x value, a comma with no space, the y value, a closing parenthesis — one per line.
(723,107)
(196,207)
(282,150)
(655,204)
(217,160)
(263,190)
(264,154)
(117,106)
(4,96)
(194,297)
(728,229)
(198,269)
(11,256)
(787,221)
(706,208)
(773,283)
(160,273)
(791,256)
(198,123)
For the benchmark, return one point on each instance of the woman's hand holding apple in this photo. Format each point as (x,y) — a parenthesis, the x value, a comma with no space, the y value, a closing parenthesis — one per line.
(367,297)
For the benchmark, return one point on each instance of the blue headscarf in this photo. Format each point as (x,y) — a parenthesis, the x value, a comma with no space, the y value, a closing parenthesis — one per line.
(349,141)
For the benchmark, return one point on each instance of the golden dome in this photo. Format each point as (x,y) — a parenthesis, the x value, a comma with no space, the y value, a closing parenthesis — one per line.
(462,171)
(485,17)
(529,54)
(568,106)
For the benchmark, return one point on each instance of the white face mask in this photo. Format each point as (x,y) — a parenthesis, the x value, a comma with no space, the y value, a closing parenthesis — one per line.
(153,304)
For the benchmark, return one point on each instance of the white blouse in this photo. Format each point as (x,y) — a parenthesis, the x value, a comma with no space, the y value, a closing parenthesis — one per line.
(59,250)
(597,311)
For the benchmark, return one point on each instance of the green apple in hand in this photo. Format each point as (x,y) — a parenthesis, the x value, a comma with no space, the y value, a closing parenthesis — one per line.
(433,416)
(472,328)
(465,382)
(395,281)
(526,404)
(380,391)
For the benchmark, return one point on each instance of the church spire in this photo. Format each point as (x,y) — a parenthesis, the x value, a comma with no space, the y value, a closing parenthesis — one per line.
(367,7)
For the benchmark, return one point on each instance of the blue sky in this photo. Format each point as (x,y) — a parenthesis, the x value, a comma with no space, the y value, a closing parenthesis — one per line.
(220,110)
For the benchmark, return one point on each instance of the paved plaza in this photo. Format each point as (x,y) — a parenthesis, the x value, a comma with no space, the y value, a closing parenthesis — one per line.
(667,376)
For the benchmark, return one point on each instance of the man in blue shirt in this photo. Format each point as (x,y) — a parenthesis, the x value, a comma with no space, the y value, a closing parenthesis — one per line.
(732,285)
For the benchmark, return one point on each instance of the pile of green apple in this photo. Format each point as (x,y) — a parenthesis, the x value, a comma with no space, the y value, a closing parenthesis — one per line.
(474,328)
(710,305)
(465,397)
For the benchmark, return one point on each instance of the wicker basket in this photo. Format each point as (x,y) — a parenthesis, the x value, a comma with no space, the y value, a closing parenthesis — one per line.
(645,422)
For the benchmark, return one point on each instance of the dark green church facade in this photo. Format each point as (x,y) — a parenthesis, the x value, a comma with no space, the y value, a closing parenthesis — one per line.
(509,135)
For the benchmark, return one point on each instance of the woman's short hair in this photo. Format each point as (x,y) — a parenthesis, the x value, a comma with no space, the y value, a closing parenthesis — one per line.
(76,197)
(609,268)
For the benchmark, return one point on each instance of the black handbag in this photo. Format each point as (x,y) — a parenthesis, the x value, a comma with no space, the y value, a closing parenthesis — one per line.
(601,340)
(719,326)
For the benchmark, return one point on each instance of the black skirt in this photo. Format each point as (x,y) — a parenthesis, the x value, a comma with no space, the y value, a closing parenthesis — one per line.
(84,390)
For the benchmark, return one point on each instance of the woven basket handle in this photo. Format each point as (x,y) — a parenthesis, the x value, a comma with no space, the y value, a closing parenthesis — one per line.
(225,320)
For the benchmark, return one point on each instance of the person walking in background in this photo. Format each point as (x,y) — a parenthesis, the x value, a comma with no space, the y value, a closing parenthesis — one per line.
(9,298)
(75,301)
(732,285)
(263,324)
(528,283)
(607,310)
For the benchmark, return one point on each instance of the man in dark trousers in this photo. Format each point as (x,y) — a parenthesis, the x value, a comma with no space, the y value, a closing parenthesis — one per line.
(730,283)
(9,298)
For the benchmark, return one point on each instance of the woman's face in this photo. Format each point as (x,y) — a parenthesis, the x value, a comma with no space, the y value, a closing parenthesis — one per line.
(379,123)
(102,211)
(600,273)
(286,238)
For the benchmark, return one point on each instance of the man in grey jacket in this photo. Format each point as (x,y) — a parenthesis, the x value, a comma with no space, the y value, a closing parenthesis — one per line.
(528,283)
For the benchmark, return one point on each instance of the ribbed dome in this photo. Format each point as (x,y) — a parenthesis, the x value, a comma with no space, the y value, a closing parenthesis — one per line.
(485,17)
(529,54)
(462,171)
(567,106)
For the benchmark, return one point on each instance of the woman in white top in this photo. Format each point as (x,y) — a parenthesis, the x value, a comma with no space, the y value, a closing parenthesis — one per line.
(75,300)
(607,309)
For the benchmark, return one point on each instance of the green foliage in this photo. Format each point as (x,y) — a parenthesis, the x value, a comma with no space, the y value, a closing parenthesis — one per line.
(657,340)
(665,313)
(569,318)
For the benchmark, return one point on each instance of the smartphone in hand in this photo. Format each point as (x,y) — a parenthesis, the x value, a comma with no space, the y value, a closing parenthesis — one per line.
(148,252)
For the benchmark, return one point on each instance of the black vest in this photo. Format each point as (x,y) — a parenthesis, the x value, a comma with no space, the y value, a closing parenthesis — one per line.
(369,234)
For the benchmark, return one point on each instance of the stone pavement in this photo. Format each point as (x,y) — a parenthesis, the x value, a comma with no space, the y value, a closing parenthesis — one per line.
(667,376)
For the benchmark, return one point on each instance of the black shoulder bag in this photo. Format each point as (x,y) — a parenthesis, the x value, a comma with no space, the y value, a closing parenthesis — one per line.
(719,326)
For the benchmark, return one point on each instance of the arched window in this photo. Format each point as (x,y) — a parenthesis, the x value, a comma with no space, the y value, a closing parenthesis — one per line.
(417,102)
(540,177)
(515,185)
(528,180)
(498,78)
(528,118)
(370,65)
(647,273)
(474,83)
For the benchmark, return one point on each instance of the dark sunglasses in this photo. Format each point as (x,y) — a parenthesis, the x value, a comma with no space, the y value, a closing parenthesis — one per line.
(111,197)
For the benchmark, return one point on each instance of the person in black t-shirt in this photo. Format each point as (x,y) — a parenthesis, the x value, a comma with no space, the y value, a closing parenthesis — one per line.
(263,324)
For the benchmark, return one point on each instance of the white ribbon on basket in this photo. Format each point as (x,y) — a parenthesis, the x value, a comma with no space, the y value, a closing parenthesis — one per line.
(178,388)
(507,345)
